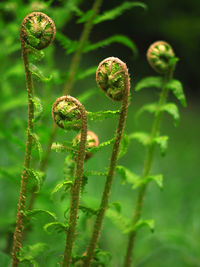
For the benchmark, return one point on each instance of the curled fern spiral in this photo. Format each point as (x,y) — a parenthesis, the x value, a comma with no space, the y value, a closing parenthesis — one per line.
(159,56)
(38,30)
(92,141)
(111,77)
(67,109)
(66,113)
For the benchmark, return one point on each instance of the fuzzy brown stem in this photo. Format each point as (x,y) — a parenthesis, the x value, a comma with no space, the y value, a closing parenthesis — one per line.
(18,234)
(76,187)
(110,177)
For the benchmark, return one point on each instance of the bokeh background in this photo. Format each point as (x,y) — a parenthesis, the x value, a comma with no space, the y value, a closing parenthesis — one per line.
(175,209)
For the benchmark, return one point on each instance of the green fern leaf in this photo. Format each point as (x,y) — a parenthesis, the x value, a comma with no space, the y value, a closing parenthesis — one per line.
(69,45)
(118,219)
(123,146)
(115,12)
(102,115)
(151,108)
(38,108)
(62,147)
(88,211)
(94,173)
(162,141)
(67,184)
(38,176)
(29,253)
(37,144)
(172,109)
(113,39)
(58,226)
(158,179)
(177,90)
(100,146)
(140,224)
(126,175)
(34,212)
(141,137)
(86,16)
(38,73)
(152,81)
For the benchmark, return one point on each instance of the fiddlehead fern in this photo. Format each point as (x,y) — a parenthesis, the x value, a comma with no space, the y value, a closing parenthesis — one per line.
(112,78)
(162,59)
(37,31)
(70,109)
(159,56)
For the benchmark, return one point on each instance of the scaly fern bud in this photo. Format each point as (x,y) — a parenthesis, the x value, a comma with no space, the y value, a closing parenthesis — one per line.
(38,30)
(112,77)
(160,56)
(66,113)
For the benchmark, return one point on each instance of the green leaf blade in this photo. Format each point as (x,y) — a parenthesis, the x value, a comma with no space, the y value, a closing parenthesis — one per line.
(116,12)
(141,137)
(147,82)
(140,224)
(172,109)
(162,141)
(39,73)
(176,87)
(122,39)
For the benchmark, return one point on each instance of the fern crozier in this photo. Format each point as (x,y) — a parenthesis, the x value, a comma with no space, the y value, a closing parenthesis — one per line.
(38,30)
(159,56)
(66,113)
(111,77)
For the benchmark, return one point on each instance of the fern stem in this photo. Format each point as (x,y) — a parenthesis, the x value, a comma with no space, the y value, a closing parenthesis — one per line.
(146,170)
(29,27)
(76,187)
(111,170)
(75,63)
(82,41)
(18,234)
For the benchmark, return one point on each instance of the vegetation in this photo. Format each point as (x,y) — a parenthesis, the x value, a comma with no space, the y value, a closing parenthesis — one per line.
(80,201)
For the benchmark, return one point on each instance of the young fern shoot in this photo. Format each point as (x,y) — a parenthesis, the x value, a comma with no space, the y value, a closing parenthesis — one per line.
(113,79)
(37,32)
(69,113)
(162,59)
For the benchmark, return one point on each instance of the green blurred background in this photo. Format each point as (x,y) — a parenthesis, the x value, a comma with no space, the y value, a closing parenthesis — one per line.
(175,209)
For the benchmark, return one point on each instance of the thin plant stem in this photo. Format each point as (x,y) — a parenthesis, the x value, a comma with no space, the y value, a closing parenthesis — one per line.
(76,187)
(82,41)
(146,170)
(18,236)
(74,65)
(34,24)
(110,176)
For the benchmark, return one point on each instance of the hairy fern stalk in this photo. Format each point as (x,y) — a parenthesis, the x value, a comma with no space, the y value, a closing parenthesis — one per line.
(113,79)
(37,31)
